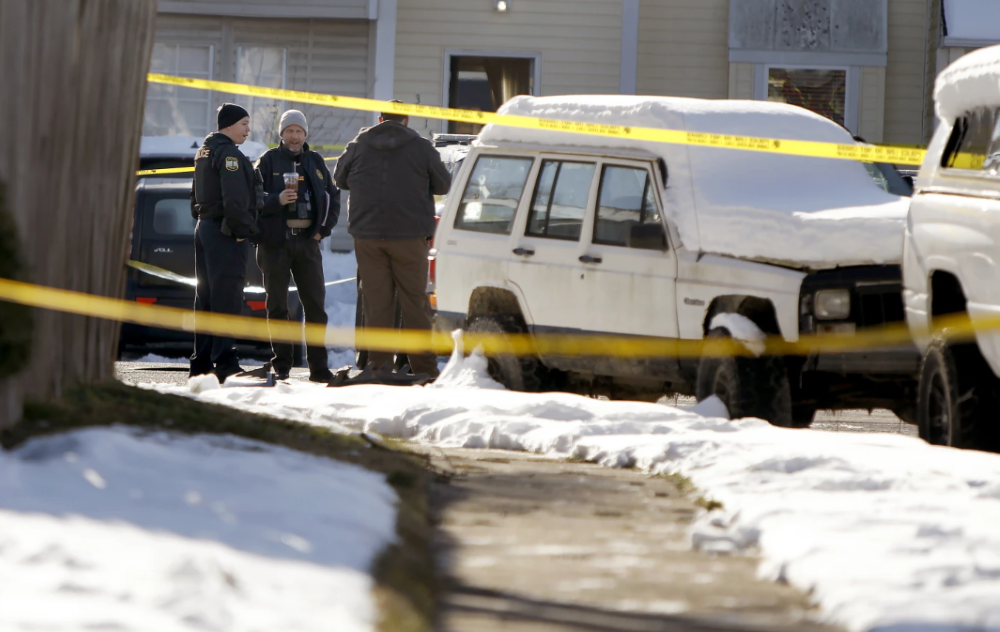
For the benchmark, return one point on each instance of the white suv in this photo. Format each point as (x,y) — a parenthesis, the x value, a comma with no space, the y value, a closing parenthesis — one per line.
(554,232)
(952,257)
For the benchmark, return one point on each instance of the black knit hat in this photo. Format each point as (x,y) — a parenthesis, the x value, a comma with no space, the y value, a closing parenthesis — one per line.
(230,114)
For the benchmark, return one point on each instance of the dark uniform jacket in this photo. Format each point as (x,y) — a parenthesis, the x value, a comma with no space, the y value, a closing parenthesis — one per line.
(325,195)
(393,175)
(225,186)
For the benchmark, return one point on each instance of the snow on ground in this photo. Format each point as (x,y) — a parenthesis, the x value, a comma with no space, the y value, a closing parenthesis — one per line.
(341,299)
(114,529)
(888,532)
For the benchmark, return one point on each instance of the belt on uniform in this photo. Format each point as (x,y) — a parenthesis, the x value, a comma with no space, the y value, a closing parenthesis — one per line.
(298,231)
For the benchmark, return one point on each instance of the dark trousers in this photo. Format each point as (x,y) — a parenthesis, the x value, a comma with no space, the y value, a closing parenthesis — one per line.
(220,264)
(389,268)
(299,259)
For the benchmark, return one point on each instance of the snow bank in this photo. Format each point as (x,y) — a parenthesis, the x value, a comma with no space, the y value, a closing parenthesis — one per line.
(889,532)
(813,212)
(118,529)
(743,329)
(971,82)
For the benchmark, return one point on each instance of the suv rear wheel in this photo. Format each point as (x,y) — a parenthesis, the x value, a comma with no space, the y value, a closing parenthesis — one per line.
(749,387)
(958,398)
(517,374)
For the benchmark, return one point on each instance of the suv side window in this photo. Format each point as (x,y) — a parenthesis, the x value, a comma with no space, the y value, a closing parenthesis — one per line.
(171,218)
(492,194)
(974,142)
(626,199)
(560,202)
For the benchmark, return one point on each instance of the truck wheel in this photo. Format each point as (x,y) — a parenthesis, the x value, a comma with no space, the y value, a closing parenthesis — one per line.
(525,374)
(958,398)
(749,387)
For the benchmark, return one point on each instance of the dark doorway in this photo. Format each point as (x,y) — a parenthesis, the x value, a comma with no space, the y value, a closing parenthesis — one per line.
(486,83)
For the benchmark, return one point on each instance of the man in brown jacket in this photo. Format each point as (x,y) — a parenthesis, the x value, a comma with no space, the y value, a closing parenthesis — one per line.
(393,175)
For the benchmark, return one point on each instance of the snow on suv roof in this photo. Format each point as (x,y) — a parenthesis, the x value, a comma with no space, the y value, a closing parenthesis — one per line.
(806,211)
(971,82)
(187,147)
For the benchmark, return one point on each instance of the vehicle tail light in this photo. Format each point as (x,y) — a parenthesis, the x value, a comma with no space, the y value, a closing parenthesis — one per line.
(432,267)
(257,305)
(146,300)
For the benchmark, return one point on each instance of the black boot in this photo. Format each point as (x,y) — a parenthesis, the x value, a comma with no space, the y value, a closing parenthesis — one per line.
(324,376)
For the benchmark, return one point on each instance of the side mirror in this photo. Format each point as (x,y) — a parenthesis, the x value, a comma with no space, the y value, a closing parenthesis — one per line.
(647,237)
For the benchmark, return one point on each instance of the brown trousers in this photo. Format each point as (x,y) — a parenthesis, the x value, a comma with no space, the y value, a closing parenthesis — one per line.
(388,267)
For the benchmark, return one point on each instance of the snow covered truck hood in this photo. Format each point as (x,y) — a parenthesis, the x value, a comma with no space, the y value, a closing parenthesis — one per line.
(810,212)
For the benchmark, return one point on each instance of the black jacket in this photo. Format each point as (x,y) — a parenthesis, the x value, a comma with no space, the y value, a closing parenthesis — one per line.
(393,175)
(278,161)
(225,186)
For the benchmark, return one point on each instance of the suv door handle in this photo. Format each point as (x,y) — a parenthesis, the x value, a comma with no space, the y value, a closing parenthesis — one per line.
(524,252)
(589,259)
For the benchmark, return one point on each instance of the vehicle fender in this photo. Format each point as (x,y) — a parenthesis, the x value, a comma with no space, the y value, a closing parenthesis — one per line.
(704,279)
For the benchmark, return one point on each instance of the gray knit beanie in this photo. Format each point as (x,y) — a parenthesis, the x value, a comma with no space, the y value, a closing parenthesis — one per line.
(293,117)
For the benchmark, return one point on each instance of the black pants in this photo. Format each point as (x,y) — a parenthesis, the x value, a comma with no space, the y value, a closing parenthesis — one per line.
(298,259)
(220,264)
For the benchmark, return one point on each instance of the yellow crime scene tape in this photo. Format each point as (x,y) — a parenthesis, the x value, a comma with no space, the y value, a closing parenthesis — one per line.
(864,153)
(158,172)
(522,344)
(167,275)
(956,328)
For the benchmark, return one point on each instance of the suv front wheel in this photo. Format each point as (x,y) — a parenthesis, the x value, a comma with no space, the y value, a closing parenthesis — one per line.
(749,387)
(525,374)
(958,397)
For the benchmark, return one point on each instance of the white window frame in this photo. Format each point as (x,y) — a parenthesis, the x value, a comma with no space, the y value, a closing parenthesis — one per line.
(284,84)
(536,70)
(852,90)
(211,76)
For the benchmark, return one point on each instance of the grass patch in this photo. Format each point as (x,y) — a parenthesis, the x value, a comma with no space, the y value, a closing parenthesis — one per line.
(406,588)
(686,488)
(681,482)
(707,504)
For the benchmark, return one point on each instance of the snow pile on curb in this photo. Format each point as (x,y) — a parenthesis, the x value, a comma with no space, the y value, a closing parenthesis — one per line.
(889,532)
(112,528)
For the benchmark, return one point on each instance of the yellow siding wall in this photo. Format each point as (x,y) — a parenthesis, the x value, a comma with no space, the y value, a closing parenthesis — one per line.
(905,72)
(684,48)
(741,81)
(579,41)
(871,119)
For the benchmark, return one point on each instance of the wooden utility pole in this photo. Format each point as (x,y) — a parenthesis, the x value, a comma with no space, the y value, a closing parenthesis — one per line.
(72,92)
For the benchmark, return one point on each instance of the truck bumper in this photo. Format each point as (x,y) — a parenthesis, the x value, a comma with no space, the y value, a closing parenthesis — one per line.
(899,361)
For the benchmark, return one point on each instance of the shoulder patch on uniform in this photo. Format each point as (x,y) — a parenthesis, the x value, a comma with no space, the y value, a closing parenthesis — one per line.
(319,172)
(204,152)
(232,163)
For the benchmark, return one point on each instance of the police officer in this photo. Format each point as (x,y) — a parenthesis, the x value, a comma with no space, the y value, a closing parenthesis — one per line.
(294,218)
(225,198)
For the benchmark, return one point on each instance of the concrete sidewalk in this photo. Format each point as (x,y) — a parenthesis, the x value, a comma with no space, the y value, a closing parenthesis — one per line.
(530,544)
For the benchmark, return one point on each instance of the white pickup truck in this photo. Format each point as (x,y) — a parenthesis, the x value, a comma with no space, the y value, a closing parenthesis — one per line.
(952,262)
(556,232)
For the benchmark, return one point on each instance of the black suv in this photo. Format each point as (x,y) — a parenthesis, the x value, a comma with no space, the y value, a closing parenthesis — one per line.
(163,236)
